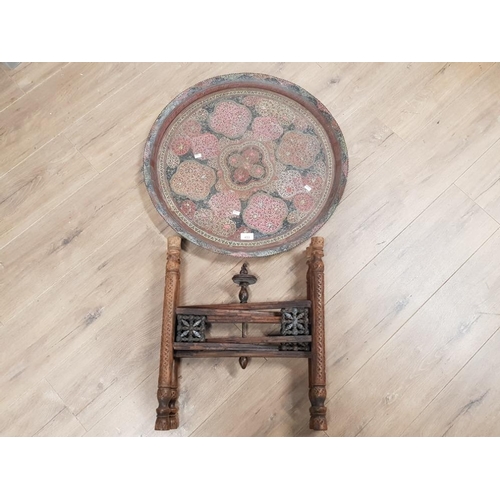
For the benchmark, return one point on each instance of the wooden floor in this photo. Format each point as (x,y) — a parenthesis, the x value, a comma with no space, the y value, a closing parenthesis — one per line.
(412,258)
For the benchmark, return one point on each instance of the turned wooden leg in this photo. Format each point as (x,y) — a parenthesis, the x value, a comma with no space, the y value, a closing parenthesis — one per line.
(317,375)
(167,414)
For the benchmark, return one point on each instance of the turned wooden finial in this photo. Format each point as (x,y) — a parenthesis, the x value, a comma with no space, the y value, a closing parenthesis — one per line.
(244,280)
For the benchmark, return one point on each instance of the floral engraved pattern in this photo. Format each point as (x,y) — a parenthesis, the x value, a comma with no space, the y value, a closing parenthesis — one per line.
(298,149)
(265,213)
(246,167)
(193,180)
(205,146)
(230,119)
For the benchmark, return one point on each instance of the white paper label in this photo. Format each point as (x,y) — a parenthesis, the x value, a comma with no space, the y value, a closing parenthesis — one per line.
(235,212)
(246,236)
(198,155)
(307,188)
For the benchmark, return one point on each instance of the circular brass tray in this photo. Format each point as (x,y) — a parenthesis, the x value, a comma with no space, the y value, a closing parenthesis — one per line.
(245,164)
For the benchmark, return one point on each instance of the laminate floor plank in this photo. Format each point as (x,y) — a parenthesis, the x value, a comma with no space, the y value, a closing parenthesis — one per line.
(31,413)
(38,184)
(399,191)
(70,232)
(407,373)
(9,91)
(63,424)
(471,397)
(30,75)
(52,106)
(482,181)
(62,320)
(411,258)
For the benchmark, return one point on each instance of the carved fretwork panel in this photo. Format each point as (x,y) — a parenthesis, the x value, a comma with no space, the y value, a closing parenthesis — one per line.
(295,346)
(295,321)
(191,328)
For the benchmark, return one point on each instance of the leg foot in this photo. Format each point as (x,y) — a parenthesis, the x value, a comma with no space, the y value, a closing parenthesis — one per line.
(167,417)
(317,396)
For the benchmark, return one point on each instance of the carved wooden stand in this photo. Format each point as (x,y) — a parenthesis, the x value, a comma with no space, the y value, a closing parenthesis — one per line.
(302,333)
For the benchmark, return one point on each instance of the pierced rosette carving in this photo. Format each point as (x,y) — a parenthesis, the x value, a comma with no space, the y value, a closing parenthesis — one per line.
(190,328)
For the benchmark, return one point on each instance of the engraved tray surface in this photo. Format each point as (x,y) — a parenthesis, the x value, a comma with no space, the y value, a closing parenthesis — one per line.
(245,164)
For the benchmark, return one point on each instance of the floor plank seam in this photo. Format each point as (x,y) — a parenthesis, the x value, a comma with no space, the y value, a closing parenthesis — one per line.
(478,206)
(401,148)
(65,128)
(94,168)
(229,396)
(49,211)
(71,270)
(48,78)
(421,84)
(97,396)
(389,243)
(415,312)
(111,94)
(450,381)
(29,156)
(65,406)
(15,100)
(476,160)
(458,96)
(124,399)
(464,90)
(127,151)
(34,434)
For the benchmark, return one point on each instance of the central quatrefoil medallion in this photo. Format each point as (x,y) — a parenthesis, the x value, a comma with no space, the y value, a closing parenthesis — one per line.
(246,166)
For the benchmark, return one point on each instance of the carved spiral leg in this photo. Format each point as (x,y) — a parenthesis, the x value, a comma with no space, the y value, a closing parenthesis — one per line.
(317,374)
(167,414)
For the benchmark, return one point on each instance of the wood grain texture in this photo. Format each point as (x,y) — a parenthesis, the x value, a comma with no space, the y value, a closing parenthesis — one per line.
(207,382)
(256,412)
(482,181)
(30,75)
(47,110)
(471,396)
(71,313)
(9,91)
(409,181)
(411,253)
(363,318)
(418,106)
(403,377)
(24,127)
(69,233)
(117,358)
(28,414)
(64,423)
(44,180)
